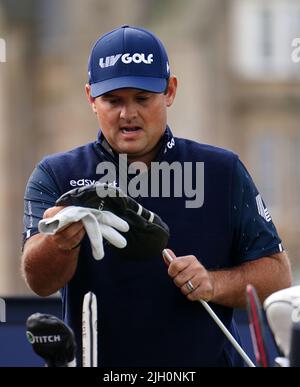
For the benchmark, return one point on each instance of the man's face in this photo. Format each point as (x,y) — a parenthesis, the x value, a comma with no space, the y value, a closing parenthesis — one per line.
(133,120)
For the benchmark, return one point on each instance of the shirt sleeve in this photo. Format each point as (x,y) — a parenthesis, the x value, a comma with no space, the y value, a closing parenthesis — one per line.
(254,232)
(40,194)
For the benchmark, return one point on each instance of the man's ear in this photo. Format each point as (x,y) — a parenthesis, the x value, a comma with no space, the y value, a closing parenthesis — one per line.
(171,91)
(91,99)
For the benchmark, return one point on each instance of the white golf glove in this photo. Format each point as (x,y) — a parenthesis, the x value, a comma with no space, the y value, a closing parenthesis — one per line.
(98,225)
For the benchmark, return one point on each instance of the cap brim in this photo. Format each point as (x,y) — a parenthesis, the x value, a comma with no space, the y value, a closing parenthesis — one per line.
(154,85)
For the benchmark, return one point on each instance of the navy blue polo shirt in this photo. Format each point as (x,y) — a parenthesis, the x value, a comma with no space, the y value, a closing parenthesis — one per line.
(143,319)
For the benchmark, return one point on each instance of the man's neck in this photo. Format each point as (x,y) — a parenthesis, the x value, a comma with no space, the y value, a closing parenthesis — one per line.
(147,158)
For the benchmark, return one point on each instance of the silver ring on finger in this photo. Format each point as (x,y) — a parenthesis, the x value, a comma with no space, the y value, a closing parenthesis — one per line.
(190,286)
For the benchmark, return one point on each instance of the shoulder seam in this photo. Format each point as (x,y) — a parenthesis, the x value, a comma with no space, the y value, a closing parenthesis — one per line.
(49,171)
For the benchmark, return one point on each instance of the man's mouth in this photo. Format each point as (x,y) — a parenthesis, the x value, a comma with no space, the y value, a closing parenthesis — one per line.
(130,129)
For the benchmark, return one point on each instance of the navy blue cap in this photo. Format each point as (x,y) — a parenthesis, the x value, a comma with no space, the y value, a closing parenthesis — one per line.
(128,57)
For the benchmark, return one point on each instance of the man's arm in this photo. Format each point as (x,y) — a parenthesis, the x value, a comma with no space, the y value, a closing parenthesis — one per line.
(228,287)
(266,274)
(50,261)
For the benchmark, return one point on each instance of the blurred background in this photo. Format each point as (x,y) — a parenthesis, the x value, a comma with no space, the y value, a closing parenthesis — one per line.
(239,88)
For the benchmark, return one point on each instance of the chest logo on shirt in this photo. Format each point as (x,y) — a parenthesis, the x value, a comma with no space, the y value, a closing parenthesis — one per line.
(82,182)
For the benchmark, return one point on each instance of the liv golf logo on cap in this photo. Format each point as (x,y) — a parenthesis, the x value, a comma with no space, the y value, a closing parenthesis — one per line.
(126,59)
(2,310)
(2,51)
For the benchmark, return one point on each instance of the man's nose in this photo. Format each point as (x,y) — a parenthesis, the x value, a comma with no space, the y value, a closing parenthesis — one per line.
(128,111)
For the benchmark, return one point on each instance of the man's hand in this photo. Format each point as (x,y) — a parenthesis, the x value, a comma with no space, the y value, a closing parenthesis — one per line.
(188,273)
(227,286)
(146,233)
(68,238)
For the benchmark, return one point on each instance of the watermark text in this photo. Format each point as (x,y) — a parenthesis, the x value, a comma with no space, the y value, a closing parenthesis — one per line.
(166,180)
(296,52)
(2,310)
(2,51)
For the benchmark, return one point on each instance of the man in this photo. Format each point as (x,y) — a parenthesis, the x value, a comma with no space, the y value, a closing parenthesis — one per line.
(221,245)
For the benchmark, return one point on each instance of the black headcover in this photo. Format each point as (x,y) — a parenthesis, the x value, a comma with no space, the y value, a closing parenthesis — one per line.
(51,339)
(148,235)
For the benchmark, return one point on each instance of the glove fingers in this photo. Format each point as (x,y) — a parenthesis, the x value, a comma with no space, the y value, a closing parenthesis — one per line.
(110,219)
(113,236)
(93,229)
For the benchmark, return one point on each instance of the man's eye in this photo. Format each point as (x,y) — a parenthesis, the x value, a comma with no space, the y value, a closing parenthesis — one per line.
(113,101)
(142,99)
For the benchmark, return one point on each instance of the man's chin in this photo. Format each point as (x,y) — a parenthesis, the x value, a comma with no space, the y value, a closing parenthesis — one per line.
(133,154)
(131,151)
